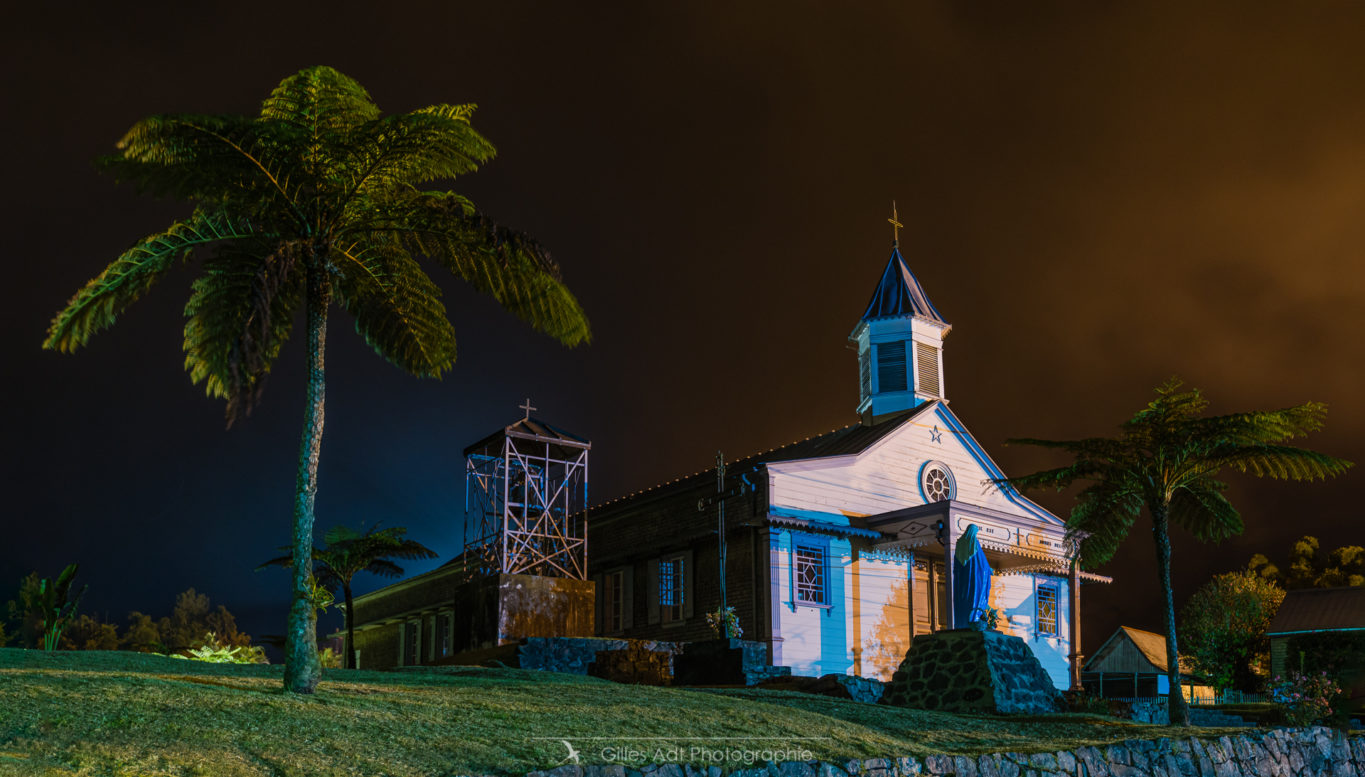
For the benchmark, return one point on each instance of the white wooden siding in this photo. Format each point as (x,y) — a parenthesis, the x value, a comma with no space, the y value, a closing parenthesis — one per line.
(886,477)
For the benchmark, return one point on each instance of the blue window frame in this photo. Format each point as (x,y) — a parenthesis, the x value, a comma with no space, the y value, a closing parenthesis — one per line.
(1047,609)
(810,577)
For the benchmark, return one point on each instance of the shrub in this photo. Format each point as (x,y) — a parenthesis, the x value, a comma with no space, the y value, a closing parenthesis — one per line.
(1305,698)
(329,658)
(725,623)
(215,652)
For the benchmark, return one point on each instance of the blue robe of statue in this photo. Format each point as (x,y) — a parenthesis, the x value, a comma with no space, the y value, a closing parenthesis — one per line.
(971,580)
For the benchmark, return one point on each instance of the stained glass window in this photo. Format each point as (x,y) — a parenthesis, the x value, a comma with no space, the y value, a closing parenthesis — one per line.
(1047,608)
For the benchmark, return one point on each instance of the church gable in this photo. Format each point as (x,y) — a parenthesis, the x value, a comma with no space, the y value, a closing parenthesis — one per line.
(929,456)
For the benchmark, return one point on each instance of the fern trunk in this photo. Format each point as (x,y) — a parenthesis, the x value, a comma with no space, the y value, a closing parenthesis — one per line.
(302,669)
(1179,711)
(348,661)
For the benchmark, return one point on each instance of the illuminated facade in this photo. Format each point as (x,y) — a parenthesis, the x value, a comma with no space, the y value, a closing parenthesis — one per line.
(835,544)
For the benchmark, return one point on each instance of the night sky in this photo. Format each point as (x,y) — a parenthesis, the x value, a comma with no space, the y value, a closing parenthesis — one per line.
(1095,197)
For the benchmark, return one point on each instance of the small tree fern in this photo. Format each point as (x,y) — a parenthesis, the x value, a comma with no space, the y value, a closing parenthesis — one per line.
(317,201)
(348,552)
(1167,459)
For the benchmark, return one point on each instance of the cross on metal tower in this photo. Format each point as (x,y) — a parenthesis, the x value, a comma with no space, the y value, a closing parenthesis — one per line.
(526,490)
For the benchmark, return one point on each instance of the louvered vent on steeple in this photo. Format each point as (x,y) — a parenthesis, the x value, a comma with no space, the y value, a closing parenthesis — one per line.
(891,367)
(926,370)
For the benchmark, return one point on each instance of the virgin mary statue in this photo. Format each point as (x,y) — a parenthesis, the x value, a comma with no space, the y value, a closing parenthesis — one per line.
(971,581)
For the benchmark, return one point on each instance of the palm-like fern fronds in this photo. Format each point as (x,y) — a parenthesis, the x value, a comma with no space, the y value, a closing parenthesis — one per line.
(397,309)
(1166,459)
(96,306)
(240,314)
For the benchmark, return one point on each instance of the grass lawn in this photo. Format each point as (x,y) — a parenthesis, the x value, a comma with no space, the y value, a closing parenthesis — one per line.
(94,713)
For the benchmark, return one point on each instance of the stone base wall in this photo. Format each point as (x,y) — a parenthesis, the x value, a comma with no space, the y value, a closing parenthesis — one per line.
(972,671)
(1312,752)
(575,655)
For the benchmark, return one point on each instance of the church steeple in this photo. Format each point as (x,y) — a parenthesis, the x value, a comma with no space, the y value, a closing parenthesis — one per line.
(900,343)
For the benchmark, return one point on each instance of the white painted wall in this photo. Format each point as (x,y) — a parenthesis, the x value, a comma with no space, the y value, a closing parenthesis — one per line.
(872,613)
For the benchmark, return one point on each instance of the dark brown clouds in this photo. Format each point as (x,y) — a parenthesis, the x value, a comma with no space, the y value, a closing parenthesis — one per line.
(1096,197)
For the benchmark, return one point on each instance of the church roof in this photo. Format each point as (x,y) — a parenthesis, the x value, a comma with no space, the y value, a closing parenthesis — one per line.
(899,293)
(847,440)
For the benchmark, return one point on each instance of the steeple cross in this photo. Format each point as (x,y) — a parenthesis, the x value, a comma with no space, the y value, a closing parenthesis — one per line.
(895,225)
(527,407)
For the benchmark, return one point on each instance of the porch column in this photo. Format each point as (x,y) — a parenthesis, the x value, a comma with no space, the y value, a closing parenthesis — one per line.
(1076,656)
(933,594)
(910,596)
(950,537)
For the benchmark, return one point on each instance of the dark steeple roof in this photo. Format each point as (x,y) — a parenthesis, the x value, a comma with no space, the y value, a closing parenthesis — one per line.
(899,293)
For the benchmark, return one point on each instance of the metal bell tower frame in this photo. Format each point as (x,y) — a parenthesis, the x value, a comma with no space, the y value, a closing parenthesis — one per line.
(526,492)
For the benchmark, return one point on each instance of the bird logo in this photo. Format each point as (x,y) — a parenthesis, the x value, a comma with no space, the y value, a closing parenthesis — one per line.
(573,754)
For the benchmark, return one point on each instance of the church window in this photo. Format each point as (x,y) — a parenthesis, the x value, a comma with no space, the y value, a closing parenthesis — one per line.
(613,601)
(671,589)
(865,373)
(891,367)
(926,367)
(936,481)
(809,575)
(1047,609)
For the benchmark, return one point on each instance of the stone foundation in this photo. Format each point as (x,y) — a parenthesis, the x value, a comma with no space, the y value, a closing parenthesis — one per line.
(634,664)
(839,686)
(1313,752)
(725,662)
(972,671)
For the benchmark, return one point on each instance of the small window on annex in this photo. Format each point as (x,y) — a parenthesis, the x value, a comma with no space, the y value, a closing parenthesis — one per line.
(671,588)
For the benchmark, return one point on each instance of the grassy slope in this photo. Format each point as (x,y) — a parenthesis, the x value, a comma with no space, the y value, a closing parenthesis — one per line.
(123,713)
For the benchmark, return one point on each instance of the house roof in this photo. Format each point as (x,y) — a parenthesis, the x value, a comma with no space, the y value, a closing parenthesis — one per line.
(1320,609)
(1150,645)
(848,440)
(899,293)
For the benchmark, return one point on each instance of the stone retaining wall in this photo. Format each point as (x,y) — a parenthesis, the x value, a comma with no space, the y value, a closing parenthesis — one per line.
(1314,752)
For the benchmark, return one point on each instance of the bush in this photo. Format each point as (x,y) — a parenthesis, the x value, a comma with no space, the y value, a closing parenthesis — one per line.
(329,658)
(215,652)
(1305,698)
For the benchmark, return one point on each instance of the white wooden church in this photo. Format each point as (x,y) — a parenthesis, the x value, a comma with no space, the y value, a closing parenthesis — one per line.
(835,545)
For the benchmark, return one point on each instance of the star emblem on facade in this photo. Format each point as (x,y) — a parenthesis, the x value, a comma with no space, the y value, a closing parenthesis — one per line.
(935,435)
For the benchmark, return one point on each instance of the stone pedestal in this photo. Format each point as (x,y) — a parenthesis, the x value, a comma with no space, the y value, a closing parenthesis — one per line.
(973,671)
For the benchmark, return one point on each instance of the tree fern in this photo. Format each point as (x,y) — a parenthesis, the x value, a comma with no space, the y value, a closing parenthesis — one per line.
(1167,459)
(316,200)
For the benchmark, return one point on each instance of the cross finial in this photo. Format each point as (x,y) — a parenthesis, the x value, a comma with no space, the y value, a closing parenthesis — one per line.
(527,407)
(895,225)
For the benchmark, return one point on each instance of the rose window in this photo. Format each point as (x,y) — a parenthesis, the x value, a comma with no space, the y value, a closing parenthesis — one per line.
(937,482)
